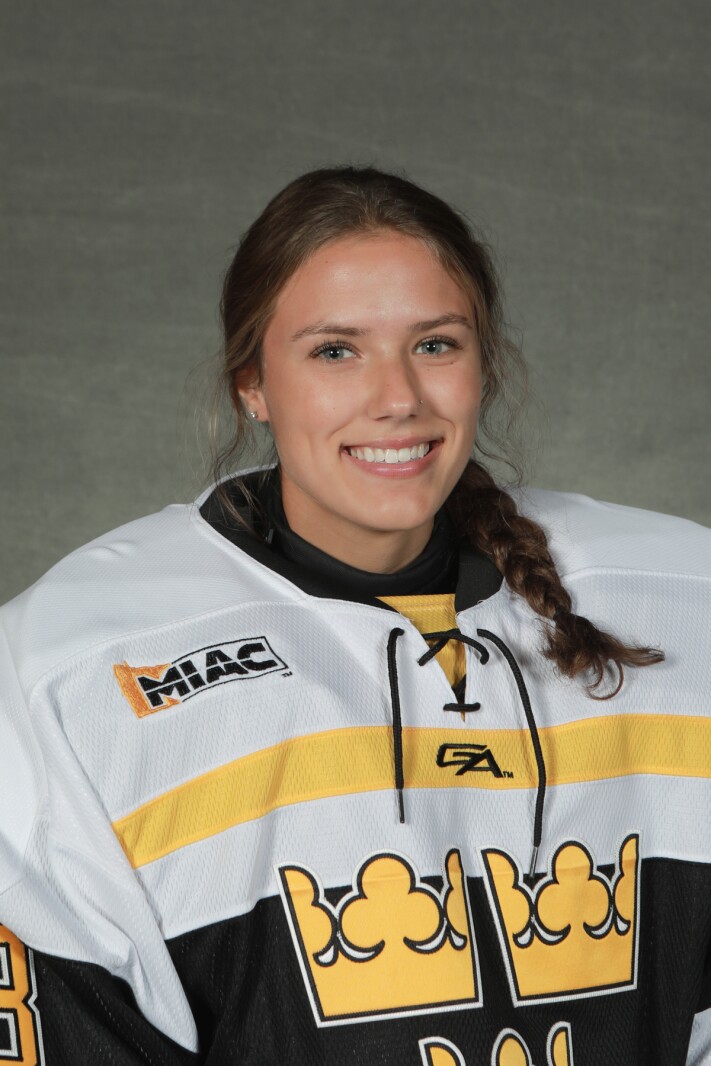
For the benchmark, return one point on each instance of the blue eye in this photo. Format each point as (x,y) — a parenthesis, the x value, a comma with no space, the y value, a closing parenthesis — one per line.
(332,352)
(437,345)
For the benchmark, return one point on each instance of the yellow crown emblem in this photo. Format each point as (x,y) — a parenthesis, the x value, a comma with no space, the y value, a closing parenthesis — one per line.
(575,933)
(391,945)
(509,1049)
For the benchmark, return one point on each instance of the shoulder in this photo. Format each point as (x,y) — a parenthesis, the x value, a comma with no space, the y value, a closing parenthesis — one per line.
(588,534)
(158,570)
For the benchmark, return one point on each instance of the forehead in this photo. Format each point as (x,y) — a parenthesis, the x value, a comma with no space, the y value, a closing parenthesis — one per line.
(383,275)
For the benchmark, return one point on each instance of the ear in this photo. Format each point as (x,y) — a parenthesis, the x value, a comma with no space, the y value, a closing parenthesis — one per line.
(252,398)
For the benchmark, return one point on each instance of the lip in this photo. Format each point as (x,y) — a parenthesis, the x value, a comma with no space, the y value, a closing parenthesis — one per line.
(395,470)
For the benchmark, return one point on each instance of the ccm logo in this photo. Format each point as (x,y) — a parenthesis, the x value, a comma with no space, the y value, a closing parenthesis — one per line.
(470,758)
(152,688)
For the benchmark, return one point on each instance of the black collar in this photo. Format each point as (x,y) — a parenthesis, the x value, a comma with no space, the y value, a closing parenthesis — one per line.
(447,564)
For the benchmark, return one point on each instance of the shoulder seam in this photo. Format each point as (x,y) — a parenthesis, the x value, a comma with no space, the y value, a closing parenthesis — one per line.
(585,570)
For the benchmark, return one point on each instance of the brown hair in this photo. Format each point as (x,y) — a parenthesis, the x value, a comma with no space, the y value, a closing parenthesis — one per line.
(329,203)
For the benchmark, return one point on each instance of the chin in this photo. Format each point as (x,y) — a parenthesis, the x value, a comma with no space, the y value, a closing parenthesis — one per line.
(395,518)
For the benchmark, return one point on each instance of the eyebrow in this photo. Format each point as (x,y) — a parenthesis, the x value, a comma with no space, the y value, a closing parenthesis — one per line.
(353,331)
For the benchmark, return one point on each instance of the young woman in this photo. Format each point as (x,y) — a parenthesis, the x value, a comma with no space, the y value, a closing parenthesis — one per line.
(361,757)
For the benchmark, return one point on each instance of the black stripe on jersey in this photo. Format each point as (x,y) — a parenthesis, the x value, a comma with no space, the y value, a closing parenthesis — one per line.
(251,1007)
(90,1017)
(251,1004)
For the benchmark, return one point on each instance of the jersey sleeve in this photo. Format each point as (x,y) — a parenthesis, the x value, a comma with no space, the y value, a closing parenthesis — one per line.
(699,1053)
(85,975)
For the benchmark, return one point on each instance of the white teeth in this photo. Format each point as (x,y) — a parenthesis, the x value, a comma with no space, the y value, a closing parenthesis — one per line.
(390,455)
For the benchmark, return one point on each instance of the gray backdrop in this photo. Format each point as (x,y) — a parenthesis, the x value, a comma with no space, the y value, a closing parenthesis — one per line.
(140,139)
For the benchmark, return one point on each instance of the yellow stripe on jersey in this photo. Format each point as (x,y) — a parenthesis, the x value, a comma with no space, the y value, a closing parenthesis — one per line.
(434,614)
(347,761)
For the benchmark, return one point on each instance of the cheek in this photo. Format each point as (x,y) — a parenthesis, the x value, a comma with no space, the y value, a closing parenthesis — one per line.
(303,406)
(315,399)
(458,396)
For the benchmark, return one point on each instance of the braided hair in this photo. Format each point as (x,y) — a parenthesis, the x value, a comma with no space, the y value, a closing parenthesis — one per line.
(518,547)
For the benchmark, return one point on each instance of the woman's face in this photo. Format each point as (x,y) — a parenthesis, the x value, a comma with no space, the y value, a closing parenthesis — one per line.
(371,381)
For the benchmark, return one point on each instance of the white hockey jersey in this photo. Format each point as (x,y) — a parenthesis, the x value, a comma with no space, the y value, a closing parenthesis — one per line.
(203,856)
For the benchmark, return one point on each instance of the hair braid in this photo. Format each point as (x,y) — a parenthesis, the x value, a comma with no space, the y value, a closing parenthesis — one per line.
(518,547)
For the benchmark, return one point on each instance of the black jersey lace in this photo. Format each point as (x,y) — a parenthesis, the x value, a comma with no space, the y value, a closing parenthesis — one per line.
(439,641)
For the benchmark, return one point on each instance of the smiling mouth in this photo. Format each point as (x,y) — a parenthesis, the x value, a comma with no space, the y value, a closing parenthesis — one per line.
(392,456)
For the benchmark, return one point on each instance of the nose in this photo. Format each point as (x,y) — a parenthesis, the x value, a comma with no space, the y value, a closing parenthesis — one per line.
(395,389)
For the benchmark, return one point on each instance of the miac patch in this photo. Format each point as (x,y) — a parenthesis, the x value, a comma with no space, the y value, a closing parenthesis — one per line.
(153,688)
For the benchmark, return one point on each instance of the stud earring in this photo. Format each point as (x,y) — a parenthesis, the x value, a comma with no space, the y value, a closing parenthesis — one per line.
(252,414)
